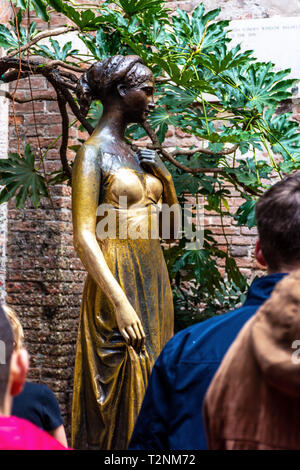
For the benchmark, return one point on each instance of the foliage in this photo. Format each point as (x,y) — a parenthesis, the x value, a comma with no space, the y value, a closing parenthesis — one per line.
(204,87)
(22,179)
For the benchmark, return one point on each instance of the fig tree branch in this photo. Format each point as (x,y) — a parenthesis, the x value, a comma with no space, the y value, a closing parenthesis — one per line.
(42,35)
(27,100)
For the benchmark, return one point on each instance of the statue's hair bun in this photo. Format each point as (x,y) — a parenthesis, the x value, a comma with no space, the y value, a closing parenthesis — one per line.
(102,76)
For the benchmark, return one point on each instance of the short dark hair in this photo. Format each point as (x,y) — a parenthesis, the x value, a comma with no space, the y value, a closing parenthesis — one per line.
(278,222)
(6,349)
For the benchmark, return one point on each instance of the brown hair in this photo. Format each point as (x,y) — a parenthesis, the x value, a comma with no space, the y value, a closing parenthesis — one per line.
(102,77)
(278,222)
(16,326)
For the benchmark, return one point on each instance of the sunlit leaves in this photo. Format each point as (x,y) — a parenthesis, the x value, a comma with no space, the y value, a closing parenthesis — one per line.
(39,6)
(104,44)
(7,39)
(85,19)
(256,86)
(131,7)
(57,52)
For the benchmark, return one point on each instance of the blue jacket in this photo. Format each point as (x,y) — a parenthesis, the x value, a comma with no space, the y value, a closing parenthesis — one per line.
(171,413)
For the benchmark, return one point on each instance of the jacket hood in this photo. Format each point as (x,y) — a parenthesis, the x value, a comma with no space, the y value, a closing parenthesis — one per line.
(275,336)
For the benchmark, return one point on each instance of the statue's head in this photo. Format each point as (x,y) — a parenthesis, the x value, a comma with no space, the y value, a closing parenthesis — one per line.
(124,79)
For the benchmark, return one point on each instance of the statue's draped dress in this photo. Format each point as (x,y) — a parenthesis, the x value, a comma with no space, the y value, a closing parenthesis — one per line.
(110,377)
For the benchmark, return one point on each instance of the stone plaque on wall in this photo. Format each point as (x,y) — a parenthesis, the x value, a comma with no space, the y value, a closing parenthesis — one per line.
(275,39)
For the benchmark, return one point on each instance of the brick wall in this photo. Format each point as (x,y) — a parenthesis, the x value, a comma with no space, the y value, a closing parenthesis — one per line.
(44,277)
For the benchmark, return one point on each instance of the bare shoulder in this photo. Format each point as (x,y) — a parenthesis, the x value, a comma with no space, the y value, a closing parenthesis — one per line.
(87,152)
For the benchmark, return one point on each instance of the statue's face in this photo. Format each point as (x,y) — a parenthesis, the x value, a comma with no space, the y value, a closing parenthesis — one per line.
(138,101)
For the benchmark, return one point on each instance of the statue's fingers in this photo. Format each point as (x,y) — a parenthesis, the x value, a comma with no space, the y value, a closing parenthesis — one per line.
(125,335)
(138,335)
(132,335)
(146,153)
(145,149)
(143,336)
(147,160)
(141,329)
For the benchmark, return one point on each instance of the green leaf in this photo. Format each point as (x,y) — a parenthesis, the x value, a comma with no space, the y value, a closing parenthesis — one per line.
(40,8)
(245,214)
(62,7)
(234,273)
(20,177)
(23,4)
(186,183)
(6,38)
(131,7)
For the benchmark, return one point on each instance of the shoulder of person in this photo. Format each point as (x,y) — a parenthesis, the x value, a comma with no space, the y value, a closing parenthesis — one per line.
(26,436)
(201,342)
(38,388)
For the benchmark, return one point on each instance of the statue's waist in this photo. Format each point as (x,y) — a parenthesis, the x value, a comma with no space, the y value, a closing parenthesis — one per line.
(122,223)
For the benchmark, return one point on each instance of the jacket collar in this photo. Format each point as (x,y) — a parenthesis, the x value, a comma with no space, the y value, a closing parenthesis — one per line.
(261,288)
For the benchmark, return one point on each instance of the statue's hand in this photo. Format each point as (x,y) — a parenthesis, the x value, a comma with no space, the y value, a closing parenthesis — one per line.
(130,326)
(150,160)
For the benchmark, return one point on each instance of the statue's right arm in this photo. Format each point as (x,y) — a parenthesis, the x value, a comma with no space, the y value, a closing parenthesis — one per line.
(86,181)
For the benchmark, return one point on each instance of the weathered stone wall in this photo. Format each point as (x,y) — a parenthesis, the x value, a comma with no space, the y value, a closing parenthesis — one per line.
(44,277)
(238,9)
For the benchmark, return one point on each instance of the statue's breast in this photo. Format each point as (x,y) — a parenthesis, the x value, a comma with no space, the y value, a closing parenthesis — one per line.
(125,186)
(129,187)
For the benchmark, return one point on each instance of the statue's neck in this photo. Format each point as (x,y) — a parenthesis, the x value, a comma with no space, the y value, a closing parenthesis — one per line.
(112,123)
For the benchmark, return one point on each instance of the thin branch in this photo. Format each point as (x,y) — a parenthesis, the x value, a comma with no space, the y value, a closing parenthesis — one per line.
(157,146)
(32,67)
(186,168)
(170,158)
(70,76)
(207,151)
(52,77)
(27,100)
(64,83)
(65,133)
(43,35)
(60,63)
(162,80)
(234,180)
(42,162)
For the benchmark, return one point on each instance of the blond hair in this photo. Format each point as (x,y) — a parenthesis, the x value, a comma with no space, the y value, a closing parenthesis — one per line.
(15,325)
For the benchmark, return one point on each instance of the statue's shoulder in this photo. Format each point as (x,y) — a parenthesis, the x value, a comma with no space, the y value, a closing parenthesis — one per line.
(98,155)
(88,155)
(88,150)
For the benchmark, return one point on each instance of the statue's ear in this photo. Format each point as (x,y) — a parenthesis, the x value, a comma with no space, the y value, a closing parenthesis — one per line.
(121,89)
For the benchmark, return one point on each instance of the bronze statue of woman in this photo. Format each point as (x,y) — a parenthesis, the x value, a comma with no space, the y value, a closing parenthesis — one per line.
(127,306)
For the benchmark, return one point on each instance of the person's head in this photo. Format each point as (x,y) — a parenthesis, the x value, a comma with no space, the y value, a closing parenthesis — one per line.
(124,80)
(278,224)
(14,359)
